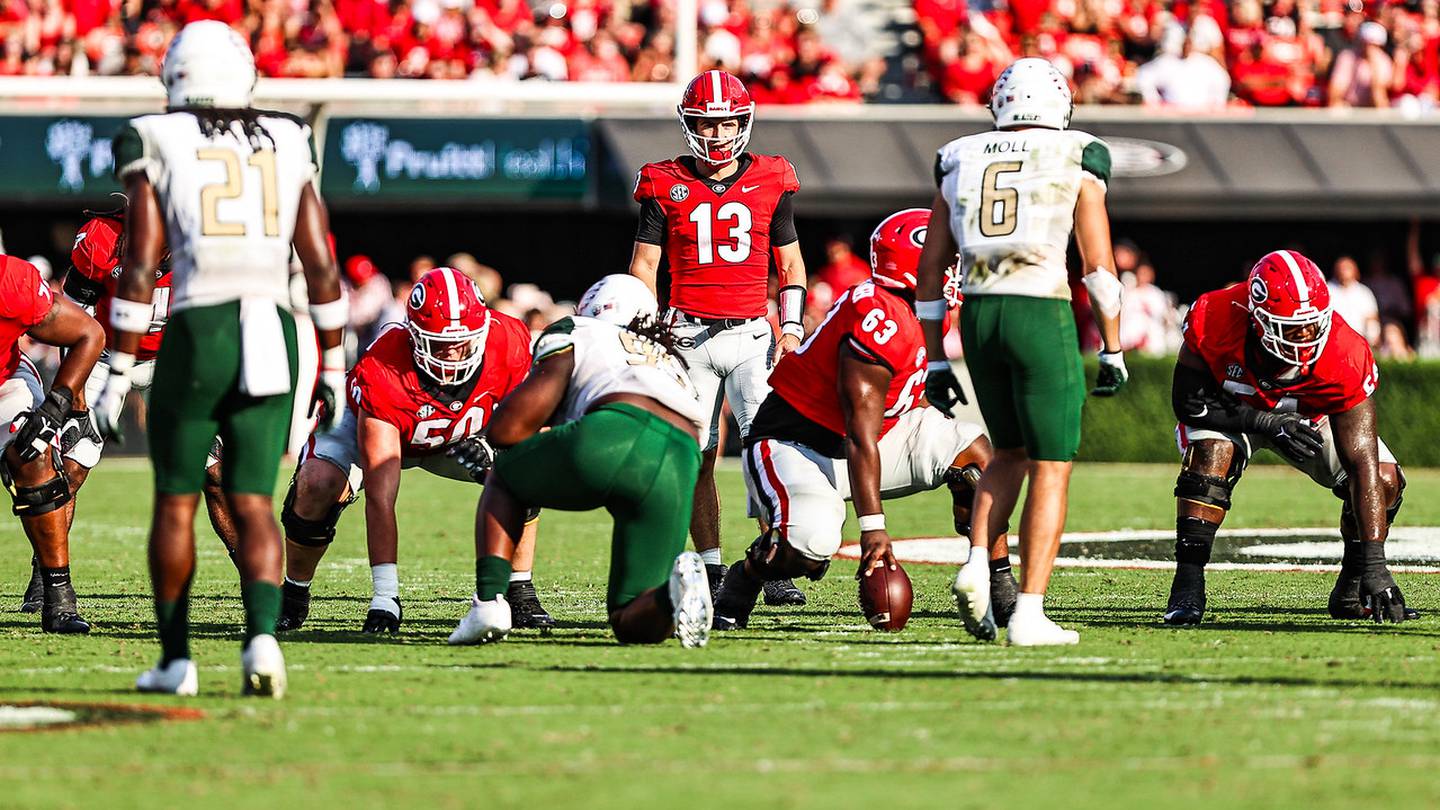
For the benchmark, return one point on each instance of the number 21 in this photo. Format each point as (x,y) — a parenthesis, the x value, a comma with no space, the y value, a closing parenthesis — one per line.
(232,187)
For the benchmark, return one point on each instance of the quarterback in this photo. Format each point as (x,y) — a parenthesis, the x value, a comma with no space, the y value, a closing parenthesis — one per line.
(230,189)
(420,396)
(845,420)
(1268,364)
(624,420)
(717,215)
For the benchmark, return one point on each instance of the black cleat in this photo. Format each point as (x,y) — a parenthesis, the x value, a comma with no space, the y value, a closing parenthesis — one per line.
(1345,597)
(526,612)
(34,597)
(737,598)
(60,614)
(1004,591)
(380,620)
(294,607)
(716,575)
(783,593)
(1187,601)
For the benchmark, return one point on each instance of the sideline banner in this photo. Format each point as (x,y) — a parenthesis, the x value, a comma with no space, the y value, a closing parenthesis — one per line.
(57,159)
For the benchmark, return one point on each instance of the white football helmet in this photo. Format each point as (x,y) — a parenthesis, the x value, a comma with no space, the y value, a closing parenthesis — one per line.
(618,299)
(1031,92)
(209,65)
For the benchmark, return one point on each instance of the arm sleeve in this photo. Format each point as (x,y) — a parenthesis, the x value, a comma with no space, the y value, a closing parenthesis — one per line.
(782,222)
(1200,403)
(651,229)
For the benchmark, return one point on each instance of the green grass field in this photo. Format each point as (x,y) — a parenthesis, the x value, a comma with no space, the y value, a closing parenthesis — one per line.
(1269,705)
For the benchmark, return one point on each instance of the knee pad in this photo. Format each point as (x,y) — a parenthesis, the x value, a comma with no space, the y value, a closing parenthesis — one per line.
(1207,489)
(772,557)
(1194,537)
(305,532)
(40,499)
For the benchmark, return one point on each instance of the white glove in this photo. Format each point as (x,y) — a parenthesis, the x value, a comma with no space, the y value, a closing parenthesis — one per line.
(330,389)
(487,622)
(108,406)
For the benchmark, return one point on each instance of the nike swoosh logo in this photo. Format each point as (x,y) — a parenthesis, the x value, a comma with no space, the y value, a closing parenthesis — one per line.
(747,189)
(1203,410)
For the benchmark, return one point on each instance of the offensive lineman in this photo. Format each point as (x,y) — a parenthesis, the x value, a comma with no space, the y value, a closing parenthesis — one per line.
(419,396)
(844,421)
(717,215)
(624,419)
(1269,364)
(230,189)
(1007,202)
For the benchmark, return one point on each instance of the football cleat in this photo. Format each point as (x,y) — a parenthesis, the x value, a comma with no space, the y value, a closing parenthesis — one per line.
(526,612)
(175,678)
(487,622)
(294,606)
(716,575)
(1187,597)
(737,598)
(690,596)
(971,589)
(783,593)
(263,668)
(384,616)
(1036,630)
(1345,600)
(34,597)
(1003,592)
(59,613)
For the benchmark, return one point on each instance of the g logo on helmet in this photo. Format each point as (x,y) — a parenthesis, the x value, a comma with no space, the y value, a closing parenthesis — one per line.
(1259,293)
(917,236)
(417,296)
(679,193)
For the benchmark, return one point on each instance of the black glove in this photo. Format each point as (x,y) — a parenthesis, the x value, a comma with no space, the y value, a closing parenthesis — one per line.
(1378,592)
(1292,434)
(40,426)
(475,455)
(323,404)
(943,390)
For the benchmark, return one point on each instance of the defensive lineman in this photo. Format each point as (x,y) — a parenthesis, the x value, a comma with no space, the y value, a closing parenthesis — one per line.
(232,188)
(717,215)
(1007,201)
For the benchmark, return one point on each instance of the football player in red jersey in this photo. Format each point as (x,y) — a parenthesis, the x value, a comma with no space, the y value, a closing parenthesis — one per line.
(717,215)
(846,420)
(1268,364)
(33,419)
(419,396)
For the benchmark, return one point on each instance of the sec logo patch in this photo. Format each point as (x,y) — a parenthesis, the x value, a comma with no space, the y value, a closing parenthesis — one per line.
(679,193)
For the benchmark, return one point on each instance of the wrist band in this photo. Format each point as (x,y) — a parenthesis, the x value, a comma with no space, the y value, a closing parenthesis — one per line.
(120,362)
(931,310)
(792,329)
(792,305)
(872,523)
(130,316)
(333,359)
(938,365)
(332,315)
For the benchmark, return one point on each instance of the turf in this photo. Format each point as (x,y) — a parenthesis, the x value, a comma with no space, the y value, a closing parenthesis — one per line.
(1270,704)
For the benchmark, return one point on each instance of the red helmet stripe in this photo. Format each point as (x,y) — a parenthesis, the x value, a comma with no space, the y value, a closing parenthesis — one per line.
(715,86)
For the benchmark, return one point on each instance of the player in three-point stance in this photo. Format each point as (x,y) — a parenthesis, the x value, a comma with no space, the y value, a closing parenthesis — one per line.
(717,215)
(1269,364)
(624,422)
(845,421)
(1007,202)
(230,189)
(419,396)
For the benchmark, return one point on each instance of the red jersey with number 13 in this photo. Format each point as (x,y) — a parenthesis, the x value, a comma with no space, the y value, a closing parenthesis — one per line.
(877,325)
(718,232)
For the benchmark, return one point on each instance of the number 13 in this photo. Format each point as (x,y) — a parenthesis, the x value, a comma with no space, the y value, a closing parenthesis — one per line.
(740,232)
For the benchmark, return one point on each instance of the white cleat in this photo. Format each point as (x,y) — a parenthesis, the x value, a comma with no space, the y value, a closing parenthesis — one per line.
(972,596)
(1036,630)
(487,622)
(690,595)
(263,668)
(175,678)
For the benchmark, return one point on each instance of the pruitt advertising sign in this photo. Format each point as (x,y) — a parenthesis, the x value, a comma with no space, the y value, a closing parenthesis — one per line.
(57,159)
(447,160)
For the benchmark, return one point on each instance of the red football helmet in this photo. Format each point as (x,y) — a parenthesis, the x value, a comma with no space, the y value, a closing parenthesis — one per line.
(99,245)
(895,253)
(448,321)
(716,95)
(1290,307)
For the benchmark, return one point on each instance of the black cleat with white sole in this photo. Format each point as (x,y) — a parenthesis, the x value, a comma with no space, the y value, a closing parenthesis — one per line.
(783,593)
(59,614)
(526,612)
(737,598)
(1004,592)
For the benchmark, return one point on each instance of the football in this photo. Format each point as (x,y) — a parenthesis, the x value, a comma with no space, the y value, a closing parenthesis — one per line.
(885,599)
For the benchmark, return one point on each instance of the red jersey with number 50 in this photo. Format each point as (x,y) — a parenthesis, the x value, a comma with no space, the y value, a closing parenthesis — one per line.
(386,385)
(25,300)
(718,232)
(876,324)
(1344,376)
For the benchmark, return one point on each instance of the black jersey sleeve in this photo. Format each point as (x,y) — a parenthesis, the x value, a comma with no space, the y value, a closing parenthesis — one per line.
(651,229)
(782,222)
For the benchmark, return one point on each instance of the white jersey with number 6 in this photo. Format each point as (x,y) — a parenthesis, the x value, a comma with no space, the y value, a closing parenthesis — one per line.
(1012,200)
(229,204)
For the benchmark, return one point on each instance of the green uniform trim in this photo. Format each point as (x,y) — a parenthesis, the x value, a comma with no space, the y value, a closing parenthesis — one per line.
(196,396)
(1096,160)
(1024,360)
(545,349)
(637,466)
(127,148)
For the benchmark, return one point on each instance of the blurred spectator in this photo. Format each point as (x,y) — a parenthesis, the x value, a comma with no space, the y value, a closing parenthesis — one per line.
(1353,301)
(1149,322)
(1363,72)
(1392,297)
(370,297)
(1183,75)
(843,269)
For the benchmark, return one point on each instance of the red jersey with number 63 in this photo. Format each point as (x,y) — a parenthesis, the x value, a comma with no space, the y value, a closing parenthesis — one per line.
(877,325)
(1344,376)
(25,300)
(386,385)
(718,234)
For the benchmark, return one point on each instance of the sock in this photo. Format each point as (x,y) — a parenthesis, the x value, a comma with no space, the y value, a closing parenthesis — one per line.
(385,579)
(492,577)
(520,576)
(172,620)
(55,578)
(711,556)
(1030,606)
(1000,566)
(979,555)
(262,608)
(298,583)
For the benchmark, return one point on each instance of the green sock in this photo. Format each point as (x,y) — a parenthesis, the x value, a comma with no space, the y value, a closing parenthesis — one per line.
(492,577)
(262,608)
(172,619)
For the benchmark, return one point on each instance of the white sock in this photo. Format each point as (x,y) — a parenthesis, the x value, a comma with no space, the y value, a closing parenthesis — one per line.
(979,555)
(711,556)
(385,579)
(1030,606)
(304,584)
(519,576)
